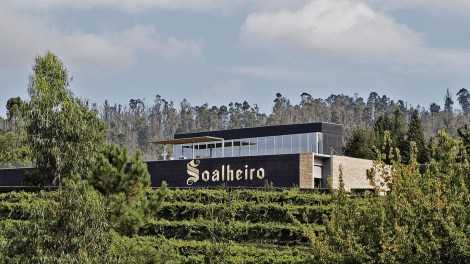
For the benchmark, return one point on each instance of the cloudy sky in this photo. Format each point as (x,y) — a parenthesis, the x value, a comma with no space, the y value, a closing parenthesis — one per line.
(219,51)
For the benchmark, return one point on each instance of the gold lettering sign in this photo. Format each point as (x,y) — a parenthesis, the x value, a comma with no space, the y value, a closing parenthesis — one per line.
(231,174)
(193,172)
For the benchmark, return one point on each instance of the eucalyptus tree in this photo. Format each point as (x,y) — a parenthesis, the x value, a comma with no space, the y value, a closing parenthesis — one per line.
(434,108)
(448,102)
(63,133)
(464,100)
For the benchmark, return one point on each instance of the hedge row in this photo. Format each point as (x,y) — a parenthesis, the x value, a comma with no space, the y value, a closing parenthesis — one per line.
(17,205)
(183,251)
(244,211)
(261,196)
(207,196)
(246,232)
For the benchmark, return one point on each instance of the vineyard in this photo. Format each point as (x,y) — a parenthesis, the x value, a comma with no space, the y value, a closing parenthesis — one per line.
(226,225)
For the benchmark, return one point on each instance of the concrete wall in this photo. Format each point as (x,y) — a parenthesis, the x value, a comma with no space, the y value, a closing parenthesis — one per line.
(306,170)
(354,172)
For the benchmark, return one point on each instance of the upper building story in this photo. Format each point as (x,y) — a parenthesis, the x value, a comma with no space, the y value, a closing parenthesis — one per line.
(319,138)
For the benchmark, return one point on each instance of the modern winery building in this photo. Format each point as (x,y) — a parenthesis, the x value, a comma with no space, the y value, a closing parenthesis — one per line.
(301,155)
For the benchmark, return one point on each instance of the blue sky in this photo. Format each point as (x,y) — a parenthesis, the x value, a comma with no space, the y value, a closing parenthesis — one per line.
(230,51)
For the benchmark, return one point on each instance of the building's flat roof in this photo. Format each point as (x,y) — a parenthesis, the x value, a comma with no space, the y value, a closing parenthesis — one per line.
(266,131)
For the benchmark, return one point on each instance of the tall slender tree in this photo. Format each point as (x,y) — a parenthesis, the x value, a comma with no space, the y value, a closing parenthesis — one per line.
(448,102)
(416,134)
(63,133)
(464,100)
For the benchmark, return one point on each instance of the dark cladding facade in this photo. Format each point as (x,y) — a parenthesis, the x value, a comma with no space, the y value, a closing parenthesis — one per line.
(281,170)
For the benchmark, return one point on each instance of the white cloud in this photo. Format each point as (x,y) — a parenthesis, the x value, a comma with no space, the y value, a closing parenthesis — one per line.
(341,26)
(224,88)
(24,36)
(348,29)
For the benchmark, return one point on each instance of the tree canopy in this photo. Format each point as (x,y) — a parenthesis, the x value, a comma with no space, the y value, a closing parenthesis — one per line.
(63,133)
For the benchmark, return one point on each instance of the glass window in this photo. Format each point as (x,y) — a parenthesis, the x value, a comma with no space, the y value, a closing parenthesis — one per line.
(278,145)
(312,142)
(198,151)
(296,143)
(253,147)
(269,145)
(317,172)
(177,151)
(236,148)
(205,150)
(217,151)
(211,149)
(287,144)
(187,151)
(304,143)
(245,147)
(261,146)
(228,150)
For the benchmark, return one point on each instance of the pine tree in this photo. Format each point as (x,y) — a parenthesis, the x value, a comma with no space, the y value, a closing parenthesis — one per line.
(416,133)
(398,132)
(359,144)
(125,187)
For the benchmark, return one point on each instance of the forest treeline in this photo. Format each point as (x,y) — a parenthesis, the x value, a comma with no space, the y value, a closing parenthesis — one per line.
(137,123)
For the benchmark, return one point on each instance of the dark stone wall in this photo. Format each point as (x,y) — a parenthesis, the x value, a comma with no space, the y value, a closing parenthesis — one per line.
(13,177)
(281,170)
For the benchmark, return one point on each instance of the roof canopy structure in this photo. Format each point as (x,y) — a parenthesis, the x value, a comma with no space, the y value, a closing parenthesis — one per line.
(187,140)
(191,140)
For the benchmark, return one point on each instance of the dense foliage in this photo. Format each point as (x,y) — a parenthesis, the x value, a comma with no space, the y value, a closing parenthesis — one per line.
(59,228)
(412,217)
